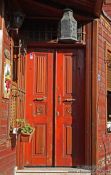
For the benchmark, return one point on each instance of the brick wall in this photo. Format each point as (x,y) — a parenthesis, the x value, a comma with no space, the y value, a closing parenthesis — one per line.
(103,138)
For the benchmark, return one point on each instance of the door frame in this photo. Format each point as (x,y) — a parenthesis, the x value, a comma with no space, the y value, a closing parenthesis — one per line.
(33,47)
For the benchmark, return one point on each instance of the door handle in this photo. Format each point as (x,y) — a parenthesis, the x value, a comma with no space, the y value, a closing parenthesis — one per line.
(59,99)
(69,100)
(57,113)
(40,99)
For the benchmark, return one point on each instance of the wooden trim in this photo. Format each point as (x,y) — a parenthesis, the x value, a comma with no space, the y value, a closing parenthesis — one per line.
(20,145)
(1,15)
(79,17)
(88,97)
(1,46)
(94,90)
(91,94)
(20,154)
(53,45)
(107,48)
(98,7)
(43,7)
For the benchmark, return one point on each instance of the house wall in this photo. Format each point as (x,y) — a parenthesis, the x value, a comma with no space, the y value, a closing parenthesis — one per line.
(103,146)
(7,152)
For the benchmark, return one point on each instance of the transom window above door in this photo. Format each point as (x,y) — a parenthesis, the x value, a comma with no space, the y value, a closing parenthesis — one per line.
(41,31)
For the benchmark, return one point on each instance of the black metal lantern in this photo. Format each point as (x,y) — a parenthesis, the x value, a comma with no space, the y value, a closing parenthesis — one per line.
(18,18)
(67,31)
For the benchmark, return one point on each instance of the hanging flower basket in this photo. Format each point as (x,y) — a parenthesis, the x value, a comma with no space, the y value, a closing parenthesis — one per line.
(26,137)
(22,129)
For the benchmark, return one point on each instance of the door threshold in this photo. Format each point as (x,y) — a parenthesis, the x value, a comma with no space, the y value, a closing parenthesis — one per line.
(54,170)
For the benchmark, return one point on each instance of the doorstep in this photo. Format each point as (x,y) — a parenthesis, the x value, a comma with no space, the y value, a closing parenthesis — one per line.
(52,171)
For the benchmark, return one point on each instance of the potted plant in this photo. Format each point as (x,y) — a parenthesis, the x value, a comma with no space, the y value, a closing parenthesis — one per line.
(22,128)
(27,132)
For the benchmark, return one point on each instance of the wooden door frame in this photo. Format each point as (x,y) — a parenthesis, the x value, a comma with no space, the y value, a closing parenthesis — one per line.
(91,92)
(94,90)
(33,47)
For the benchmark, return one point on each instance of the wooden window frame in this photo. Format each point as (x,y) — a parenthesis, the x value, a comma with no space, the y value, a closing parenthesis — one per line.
(107,61)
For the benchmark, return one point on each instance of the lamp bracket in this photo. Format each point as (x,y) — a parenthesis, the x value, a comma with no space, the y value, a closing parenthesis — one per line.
(108,62)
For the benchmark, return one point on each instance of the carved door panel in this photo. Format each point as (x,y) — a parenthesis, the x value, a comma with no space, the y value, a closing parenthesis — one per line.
(58,119)
(39,108)
(69,122)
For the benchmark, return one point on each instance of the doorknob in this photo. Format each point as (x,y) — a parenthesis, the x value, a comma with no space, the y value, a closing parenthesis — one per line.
(40,99)
(69,100)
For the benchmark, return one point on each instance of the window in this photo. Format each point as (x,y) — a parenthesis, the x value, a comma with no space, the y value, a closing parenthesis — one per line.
(40,31)
(109,85)
(109,105)
(108,63)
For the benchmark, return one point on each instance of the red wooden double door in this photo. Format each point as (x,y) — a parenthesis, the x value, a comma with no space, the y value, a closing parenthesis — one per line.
(55,107)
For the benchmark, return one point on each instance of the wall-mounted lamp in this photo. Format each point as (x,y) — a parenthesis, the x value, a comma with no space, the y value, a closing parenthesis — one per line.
(16,21)
(67,31)
(108,62)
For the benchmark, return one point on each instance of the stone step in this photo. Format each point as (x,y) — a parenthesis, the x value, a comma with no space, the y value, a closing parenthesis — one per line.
(52,171)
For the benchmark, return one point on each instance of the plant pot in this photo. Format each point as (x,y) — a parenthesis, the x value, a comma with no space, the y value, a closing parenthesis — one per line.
(26,137)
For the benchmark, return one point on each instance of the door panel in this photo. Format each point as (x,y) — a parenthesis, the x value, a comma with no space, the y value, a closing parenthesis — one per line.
(59,137)
(69,121)
(39,108)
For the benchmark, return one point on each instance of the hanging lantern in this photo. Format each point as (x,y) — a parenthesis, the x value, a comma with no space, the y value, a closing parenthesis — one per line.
(67,31)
